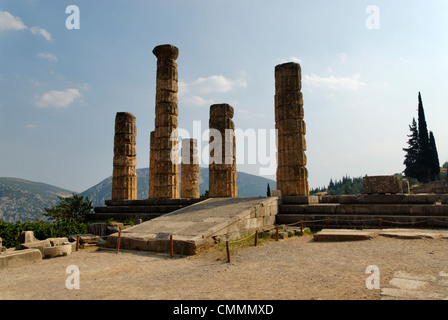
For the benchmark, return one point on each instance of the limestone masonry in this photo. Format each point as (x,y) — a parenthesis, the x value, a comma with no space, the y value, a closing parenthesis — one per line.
(124,177)
(292,175)
(164,152)
(190,169)
(222,165)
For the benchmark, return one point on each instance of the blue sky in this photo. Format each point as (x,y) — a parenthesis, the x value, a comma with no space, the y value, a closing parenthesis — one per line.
(61,88)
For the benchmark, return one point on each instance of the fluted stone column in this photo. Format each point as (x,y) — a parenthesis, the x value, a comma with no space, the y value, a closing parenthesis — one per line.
(222,166)
(166,159)
(124,177)
(189,169)
(292,175)
(151,165)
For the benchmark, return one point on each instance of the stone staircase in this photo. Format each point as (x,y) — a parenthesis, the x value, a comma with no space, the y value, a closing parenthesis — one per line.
(366,211)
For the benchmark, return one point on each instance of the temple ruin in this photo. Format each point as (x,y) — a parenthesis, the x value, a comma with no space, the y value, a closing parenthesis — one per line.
(124,177)
(189,169)
(292,175)
(222,165)
(164,152)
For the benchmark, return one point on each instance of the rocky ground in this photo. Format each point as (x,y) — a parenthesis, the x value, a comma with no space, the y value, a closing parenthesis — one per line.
(296,268)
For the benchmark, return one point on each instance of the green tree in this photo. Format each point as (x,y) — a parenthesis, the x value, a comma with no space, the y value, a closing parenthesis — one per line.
(435,164)
(71,209)
(423,141)
(421,159)
(412,157)
(268,191)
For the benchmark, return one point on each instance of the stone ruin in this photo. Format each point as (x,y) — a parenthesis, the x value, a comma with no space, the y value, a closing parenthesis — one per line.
(124,177)
(165,145)
(163,164)
(292,175)
(189,169)
(222,166)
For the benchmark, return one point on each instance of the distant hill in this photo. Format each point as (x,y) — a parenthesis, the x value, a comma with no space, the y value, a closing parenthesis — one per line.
(25,200)
(248,186)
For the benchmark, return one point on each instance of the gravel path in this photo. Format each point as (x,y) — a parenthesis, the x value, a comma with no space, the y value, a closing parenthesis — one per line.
(297,268)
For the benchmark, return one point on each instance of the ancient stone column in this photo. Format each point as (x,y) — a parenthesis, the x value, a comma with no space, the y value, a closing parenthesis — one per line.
(189,171)
(292,175)
(222,165)
(166,159)
(124,177)
(152,155)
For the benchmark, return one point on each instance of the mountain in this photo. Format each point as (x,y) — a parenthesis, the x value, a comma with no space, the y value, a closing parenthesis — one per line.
(25,200)
(248,186)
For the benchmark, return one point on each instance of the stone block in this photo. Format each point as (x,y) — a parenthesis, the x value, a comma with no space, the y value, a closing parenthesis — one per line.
(166,51)
(19,258)
(223,110)
(295,141)
(405,186)
(26,237)
(444,198)
(343,235)
(57,251)
(288,99)
(284,112)
(38,244)
(382,184)
(288,77)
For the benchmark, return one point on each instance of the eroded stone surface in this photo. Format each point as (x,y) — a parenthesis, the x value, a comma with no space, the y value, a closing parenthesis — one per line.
(292,175)
(190,169)
(222,164)
(164,167)
(124,177)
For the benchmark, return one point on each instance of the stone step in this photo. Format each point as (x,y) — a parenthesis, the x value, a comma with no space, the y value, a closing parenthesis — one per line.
(121,216)
(369,209)
(151,202)
(139,209)
(363,220)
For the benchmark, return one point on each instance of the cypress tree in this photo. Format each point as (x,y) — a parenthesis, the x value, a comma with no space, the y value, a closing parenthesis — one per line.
(423,140)
(435,164)
(412,157)
(268,191)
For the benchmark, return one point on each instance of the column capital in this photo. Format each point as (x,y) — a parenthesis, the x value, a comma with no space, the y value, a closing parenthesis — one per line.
(166,51)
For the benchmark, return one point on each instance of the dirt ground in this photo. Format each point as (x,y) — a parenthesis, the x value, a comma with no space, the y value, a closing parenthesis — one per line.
(297,268)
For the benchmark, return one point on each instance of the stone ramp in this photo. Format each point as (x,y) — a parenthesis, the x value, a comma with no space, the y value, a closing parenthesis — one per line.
(199,225)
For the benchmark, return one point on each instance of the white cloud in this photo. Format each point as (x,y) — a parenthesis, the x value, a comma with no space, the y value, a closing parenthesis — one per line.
(192,93)
(212,84)
(193,100)
(30,126)
(9,22)
(58,99)
(335,83)
(48,56)
(342,56)
(34,82)
(40,31)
